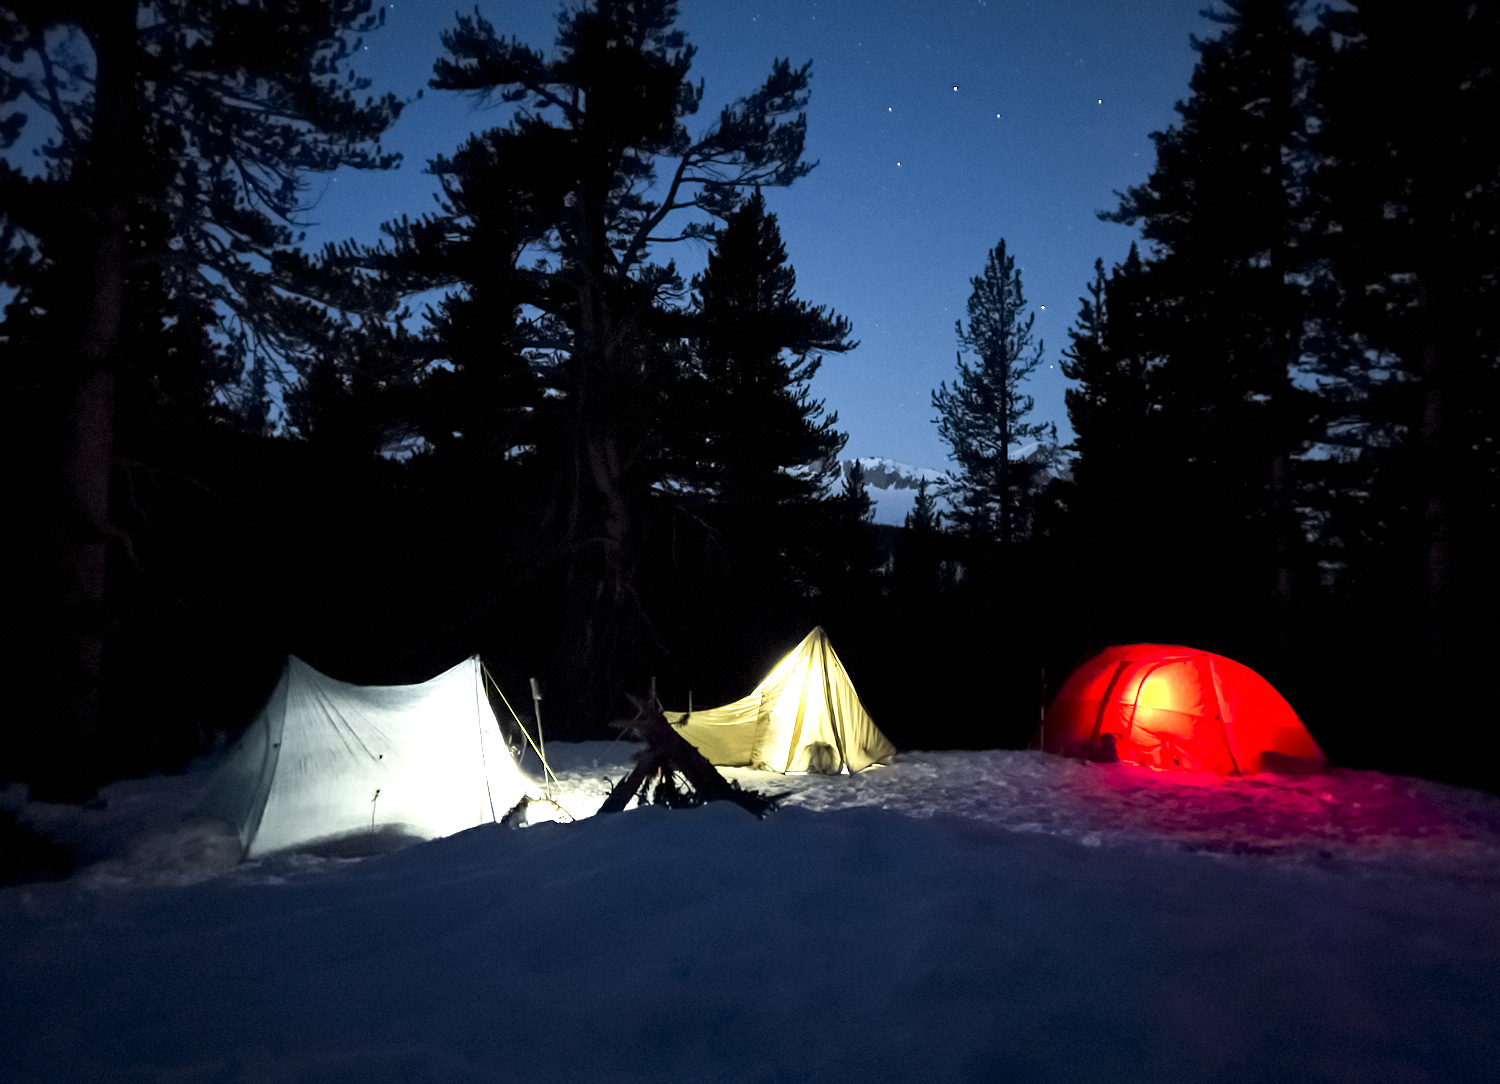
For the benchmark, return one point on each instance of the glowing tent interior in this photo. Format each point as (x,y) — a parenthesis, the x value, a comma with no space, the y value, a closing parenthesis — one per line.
(804,706)
(330,764)
(1177,708)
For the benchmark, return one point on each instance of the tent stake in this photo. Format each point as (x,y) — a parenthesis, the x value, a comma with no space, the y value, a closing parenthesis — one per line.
(1041,732)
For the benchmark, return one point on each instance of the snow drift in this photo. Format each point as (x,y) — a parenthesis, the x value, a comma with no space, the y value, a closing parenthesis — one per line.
(955,917)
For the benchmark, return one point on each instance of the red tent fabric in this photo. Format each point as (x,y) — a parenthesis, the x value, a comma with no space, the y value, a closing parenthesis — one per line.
(1178,708)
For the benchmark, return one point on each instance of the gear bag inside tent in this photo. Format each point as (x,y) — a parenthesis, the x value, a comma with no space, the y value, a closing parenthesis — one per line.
(804,715)
(343,767)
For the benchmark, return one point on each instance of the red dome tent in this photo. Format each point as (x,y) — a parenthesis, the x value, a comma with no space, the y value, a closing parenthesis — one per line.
(1177,708)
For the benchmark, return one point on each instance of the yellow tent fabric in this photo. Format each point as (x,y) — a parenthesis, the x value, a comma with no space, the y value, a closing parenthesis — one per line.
(807,698)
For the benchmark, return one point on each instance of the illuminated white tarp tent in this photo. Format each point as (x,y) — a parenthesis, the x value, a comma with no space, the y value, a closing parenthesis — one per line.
(807,698)
(329,763)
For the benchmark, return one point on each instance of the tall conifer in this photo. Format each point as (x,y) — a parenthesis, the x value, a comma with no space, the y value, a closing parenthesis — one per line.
(1408,208)
(983,417)
(761,440)
(573,182)
(192,123)
(1222,211)
(1117,447)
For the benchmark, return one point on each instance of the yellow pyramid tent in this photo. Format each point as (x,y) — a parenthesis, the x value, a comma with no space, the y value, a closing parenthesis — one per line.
(807,698)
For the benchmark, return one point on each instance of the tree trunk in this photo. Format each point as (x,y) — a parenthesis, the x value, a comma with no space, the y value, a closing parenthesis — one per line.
(600,625)
(69,756)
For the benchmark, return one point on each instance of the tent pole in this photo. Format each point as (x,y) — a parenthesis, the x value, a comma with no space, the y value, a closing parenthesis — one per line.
(536,706)
(1104,705)
(1208,664)
(828,706)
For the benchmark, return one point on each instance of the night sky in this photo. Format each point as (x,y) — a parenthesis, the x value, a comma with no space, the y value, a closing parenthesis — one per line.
(940,126)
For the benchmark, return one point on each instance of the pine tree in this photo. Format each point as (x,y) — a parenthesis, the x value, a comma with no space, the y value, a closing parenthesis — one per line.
(854,499)
(1110,357)
(1117,443)
(569,188)
(760,441)
(924,517)
(1222,211)
(1408,210)
(983,416)
(750,454)
(203,116)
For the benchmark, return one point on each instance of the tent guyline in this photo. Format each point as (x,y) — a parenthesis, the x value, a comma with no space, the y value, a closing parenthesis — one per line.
(547,772)
(549,778)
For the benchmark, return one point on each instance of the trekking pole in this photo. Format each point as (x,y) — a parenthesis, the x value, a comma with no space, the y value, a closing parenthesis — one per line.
(536,706)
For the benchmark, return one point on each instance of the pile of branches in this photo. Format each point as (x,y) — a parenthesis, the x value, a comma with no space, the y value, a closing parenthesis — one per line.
(671,772)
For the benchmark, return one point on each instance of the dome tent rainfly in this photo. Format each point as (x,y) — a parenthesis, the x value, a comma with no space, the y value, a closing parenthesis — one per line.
(807,698)
(326,763)
(1178,708)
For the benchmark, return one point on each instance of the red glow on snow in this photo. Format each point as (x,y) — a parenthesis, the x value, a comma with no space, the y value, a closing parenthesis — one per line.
(1211,755)
(1350,814)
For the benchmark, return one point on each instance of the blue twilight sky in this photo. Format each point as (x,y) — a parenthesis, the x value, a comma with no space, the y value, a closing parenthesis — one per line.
(916,181)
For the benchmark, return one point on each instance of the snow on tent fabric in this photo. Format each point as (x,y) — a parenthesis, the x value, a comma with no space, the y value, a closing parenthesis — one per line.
(326,763)
(806,699)
(1178,708)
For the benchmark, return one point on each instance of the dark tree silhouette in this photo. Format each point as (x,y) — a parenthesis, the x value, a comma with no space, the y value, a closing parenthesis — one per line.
(752,454)
(1109,357)
(1221,209)
(1118,447)
(983,416)
(191,123)
(924,516)
(1405,209)
(569,185)
(760,441)
(1408,207)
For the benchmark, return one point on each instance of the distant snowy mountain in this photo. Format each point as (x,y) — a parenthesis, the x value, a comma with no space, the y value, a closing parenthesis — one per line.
(893,486)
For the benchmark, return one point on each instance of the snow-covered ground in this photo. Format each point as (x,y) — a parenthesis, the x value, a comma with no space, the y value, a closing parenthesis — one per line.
(960,916)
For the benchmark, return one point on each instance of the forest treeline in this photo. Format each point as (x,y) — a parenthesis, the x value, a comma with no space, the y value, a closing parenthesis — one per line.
(589,468)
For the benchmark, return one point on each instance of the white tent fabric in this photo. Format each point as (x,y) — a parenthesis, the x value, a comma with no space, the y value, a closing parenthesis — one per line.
(806,698)
(326,762)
